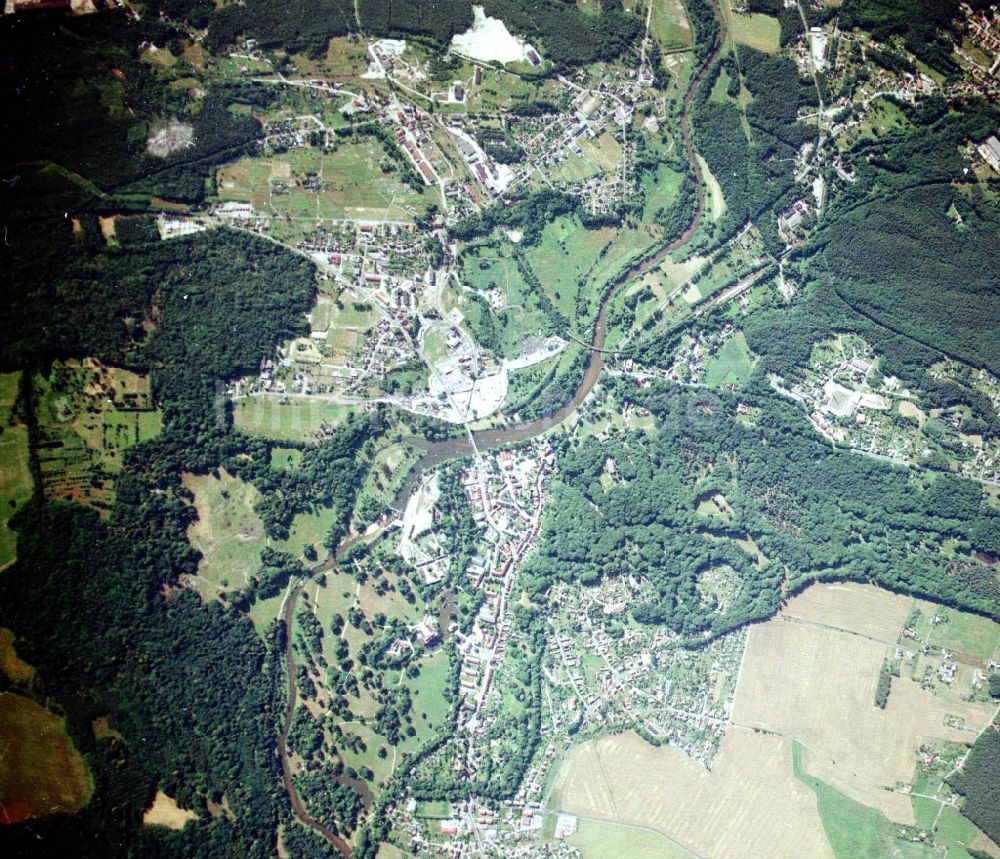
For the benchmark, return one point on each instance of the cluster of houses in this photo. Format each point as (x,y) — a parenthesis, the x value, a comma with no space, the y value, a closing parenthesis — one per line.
(505,491)
(636,679)
(851,403)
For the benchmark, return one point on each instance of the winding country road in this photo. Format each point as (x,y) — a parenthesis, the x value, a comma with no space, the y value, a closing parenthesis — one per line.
(438,451)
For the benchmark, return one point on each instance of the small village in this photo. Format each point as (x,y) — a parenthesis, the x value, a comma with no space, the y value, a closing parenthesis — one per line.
(602,669)
(850,402)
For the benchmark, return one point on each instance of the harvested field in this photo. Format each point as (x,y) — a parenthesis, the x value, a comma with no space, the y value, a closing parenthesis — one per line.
(804,719)
(862,609)
(165,812)
(817,685)
(725,812)
(42,771)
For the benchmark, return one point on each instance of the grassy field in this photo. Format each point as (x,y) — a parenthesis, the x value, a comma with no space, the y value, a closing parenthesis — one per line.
(165,812)
(669,24)
(286,458)
(564,261)
(660,188)
(756,31)
(88,416)
(228,533)
(598,839)
(716,202)
(732,365)
(42,771)
(15,473)
(297,420)
(491,267)
(973,638)
(309,184)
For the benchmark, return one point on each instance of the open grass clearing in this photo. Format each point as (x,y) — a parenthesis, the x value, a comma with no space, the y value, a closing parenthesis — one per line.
(228,532)
(166,812)
(973,639)
(295,420)
(88,415)
(716,202)
(669,24)
(16,482)
(42,771)
(731,365)
(754,30)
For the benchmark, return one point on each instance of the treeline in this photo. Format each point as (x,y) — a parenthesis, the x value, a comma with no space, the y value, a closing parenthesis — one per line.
(926,27)
(979,782)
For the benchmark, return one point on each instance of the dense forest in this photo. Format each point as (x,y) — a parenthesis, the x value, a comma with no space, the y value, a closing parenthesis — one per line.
(84,113)
(566,35)
(926,27)
(192,691)
(979,782)
(755,169)
(814,513)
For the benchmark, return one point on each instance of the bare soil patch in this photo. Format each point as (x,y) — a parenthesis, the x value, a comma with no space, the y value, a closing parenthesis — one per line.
(165,812)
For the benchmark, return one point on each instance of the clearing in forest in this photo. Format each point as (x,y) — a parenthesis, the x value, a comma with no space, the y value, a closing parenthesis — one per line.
(755,31)
(42,771)
(166,812)
(228,532)
(15,472)
(669,24)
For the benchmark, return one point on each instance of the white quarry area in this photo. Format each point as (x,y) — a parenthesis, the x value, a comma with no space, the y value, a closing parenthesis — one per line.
(489,40)
(844,402)
(171,228)
(426,555)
